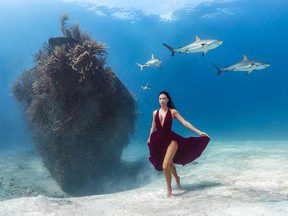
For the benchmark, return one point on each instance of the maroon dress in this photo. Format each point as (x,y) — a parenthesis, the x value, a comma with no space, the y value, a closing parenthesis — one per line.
(188,148)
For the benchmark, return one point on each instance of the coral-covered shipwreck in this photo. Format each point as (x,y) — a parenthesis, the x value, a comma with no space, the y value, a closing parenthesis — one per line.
(80,114)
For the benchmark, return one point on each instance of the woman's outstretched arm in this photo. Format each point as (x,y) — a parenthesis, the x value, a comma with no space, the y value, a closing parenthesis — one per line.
(152,126)
(188,124)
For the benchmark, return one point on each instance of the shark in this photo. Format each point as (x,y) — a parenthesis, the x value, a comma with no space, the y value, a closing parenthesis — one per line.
(198,45)
(244,65)
(146,87)
(153,62)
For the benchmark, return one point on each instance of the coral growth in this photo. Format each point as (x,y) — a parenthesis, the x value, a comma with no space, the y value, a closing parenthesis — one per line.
(80,113)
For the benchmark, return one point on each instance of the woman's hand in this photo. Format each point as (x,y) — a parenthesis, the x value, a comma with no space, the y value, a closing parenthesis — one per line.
(203,134)
(148,141)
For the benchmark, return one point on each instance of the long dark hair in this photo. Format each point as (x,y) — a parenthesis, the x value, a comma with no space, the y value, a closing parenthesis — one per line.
(170,103)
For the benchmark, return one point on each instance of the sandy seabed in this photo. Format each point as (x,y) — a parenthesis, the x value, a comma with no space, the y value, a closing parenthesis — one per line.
(239,178)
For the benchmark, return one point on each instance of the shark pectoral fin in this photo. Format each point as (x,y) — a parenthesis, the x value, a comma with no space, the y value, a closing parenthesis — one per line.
(204,53)
(249,72)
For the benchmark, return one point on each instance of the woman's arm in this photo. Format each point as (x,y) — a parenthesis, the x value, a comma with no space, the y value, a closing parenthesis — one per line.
(152,126)
(187,124)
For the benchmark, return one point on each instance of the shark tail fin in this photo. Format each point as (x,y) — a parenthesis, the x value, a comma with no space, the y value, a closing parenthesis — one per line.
(140,65)
(219,69)
(170,48)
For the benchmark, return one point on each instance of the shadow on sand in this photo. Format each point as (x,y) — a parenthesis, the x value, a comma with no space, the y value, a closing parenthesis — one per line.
(187,188)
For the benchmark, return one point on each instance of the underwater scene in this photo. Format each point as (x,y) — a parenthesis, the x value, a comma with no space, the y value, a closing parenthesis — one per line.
(162,107)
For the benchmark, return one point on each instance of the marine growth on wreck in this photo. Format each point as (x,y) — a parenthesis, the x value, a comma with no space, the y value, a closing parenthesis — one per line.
(80,114)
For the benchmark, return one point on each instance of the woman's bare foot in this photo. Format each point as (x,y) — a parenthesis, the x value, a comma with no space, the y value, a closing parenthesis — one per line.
(169,192)
(178,182)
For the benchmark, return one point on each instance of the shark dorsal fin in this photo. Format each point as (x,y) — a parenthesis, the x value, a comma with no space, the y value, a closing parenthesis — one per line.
(197,38)
(152,56)
(245,58)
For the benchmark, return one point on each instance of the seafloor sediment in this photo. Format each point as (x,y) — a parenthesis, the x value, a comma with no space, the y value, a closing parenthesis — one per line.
(237,178)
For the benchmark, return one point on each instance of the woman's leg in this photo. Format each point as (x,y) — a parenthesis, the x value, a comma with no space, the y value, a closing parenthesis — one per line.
(170,152)
(174,172)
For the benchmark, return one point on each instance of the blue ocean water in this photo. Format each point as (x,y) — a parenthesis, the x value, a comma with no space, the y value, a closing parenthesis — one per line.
(230,107)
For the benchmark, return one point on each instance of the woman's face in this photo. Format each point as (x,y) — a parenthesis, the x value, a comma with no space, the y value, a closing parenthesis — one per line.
(163,99)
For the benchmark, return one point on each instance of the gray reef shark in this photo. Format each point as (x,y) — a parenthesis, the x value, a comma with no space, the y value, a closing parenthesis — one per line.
(244,65)
(146,87)
(153,62)
(198,45)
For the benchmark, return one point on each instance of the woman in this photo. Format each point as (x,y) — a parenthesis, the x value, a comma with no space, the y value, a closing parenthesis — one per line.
(167,147)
